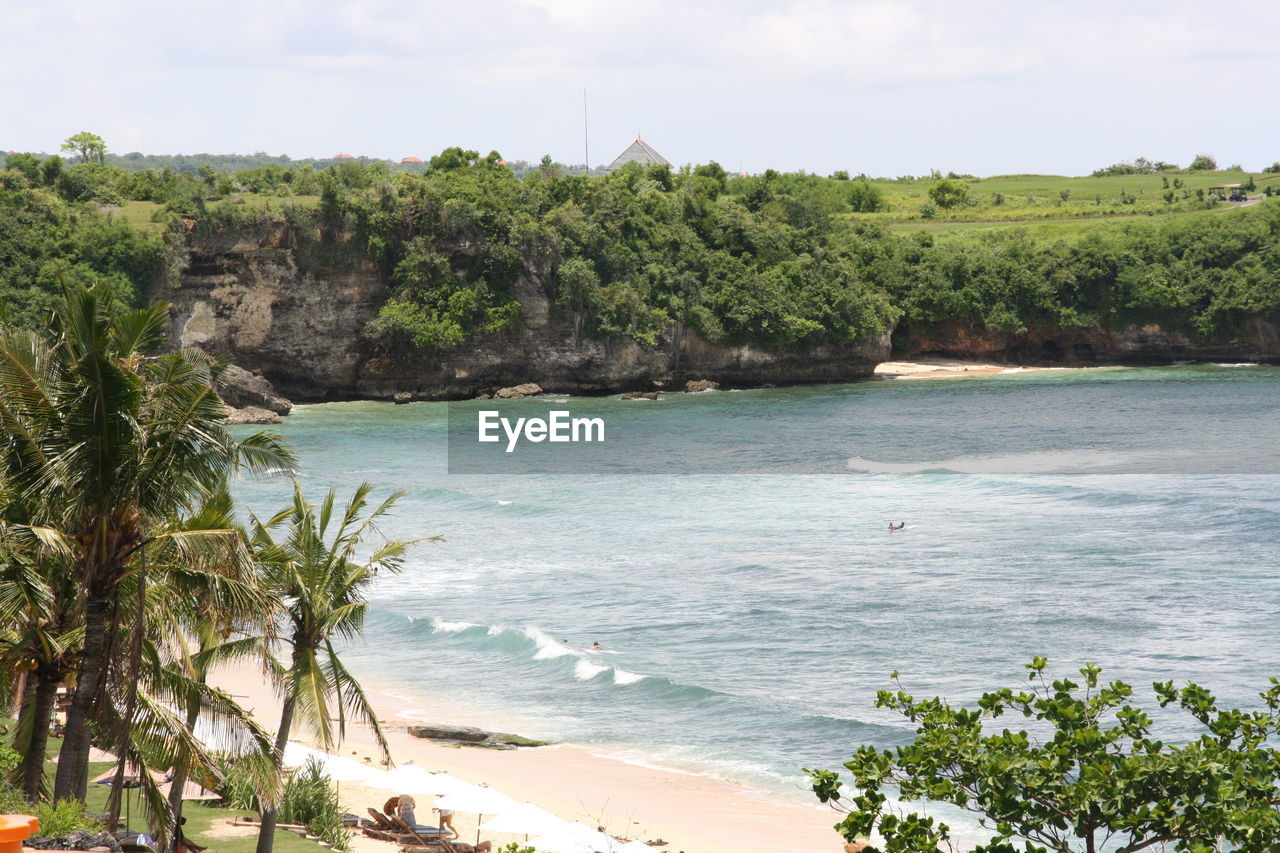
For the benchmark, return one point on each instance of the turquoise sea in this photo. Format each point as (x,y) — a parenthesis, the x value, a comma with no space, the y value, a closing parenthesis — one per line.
(730,551)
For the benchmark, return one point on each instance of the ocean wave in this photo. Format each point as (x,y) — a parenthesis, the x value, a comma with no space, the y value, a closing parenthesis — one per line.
(621,676)
(548,648)
(1236,364)
(1033,462)
(537,644)
(585,670)
(440,626)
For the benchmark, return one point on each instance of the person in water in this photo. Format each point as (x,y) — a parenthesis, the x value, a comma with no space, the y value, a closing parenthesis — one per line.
(596,646)
(898,526)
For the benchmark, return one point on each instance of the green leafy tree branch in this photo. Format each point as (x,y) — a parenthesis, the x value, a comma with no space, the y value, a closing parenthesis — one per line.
(1095,777)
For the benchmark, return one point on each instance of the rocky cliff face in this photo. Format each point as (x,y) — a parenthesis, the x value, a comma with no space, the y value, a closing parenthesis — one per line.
(273,304)
(1258,340)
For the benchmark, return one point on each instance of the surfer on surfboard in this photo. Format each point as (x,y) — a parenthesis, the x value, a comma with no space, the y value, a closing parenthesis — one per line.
(898,526)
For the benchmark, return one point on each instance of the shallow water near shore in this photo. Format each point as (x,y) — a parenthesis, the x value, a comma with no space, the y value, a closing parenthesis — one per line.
(735,562)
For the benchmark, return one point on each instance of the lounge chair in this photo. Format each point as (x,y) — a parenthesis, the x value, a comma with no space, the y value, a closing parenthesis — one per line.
(380,827)
(423,834)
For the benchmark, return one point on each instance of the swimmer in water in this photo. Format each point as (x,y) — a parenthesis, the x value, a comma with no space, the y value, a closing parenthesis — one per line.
(596,646)
(898,526)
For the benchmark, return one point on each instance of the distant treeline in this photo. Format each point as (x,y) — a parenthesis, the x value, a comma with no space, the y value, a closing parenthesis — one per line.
(777,259)
(136,161)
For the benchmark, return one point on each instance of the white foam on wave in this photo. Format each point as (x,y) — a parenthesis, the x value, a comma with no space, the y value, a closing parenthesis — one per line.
(621,676)
(548,649)
(585,670)
(505,503)
(1237,364)
(440,626)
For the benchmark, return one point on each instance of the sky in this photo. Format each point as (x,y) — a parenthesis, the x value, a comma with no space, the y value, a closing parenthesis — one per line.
(885,87)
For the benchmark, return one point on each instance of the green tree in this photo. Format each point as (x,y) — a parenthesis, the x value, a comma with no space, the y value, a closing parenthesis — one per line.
(1093,776)
(1203,163)
(89,147)
(317,572)
(949,193)
(27,164)
(51,171)
(112,442)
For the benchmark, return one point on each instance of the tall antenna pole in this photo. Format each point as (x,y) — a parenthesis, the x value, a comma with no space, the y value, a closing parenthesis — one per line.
(586,145)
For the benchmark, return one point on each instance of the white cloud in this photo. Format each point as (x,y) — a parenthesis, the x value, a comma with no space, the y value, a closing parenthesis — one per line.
(307,76)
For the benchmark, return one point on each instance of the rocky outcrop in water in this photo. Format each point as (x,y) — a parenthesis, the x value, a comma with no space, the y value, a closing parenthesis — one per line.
(295,312)
(472,736)
(239,388)
(525,389)
(252,415)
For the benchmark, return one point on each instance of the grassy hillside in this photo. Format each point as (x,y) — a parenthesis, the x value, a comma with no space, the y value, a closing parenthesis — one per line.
(1024,198)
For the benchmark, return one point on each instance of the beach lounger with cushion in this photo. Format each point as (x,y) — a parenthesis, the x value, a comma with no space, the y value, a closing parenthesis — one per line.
(420,832)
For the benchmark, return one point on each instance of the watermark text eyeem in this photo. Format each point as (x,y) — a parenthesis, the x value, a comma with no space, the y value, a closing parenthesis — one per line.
(558,426)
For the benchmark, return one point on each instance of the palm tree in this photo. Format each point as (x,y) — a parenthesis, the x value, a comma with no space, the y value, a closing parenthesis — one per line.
(207,625)
(112,442)
(40,637)
(322,583)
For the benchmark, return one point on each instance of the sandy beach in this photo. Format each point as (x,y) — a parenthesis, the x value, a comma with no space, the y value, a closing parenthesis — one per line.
(693,813)
(949,368)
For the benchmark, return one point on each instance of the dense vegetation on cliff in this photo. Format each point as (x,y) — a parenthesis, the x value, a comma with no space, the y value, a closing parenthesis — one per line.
(775,260)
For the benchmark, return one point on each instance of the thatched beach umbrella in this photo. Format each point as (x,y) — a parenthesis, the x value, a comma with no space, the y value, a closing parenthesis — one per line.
(191,791)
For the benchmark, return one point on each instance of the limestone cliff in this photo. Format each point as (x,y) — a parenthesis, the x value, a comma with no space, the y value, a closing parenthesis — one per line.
(281,306)
(1258,339)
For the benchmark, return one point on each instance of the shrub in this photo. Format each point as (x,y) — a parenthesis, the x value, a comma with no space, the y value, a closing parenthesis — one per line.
(310,800)
(1203,163)
(949,193)
(928,210)
(237,789)
(63,817)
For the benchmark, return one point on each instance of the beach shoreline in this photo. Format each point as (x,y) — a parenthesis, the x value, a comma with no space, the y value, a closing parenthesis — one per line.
(693,813)
(952,368)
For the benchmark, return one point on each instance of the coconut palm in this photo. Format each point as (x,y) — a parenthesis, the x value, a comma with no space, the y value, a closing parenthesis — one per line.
(112,442)
(207,624)
(39,639)
(316,570)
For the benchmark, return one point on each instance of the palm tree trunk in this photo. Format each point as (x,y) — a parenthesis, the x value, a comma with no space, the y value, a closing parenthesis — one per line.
(19,693)
(180,770)
(267,832)
(131,704)
(72,779)
(39,705)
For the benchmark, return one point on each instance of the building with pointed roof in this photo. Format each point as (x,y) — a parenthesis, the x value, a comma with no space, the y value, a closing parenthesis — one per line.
(638,152)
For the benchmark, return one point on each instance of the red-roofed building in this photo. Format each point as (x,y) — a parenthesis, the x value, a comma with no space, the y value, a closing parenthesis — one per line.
(410,159)
(343,157)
